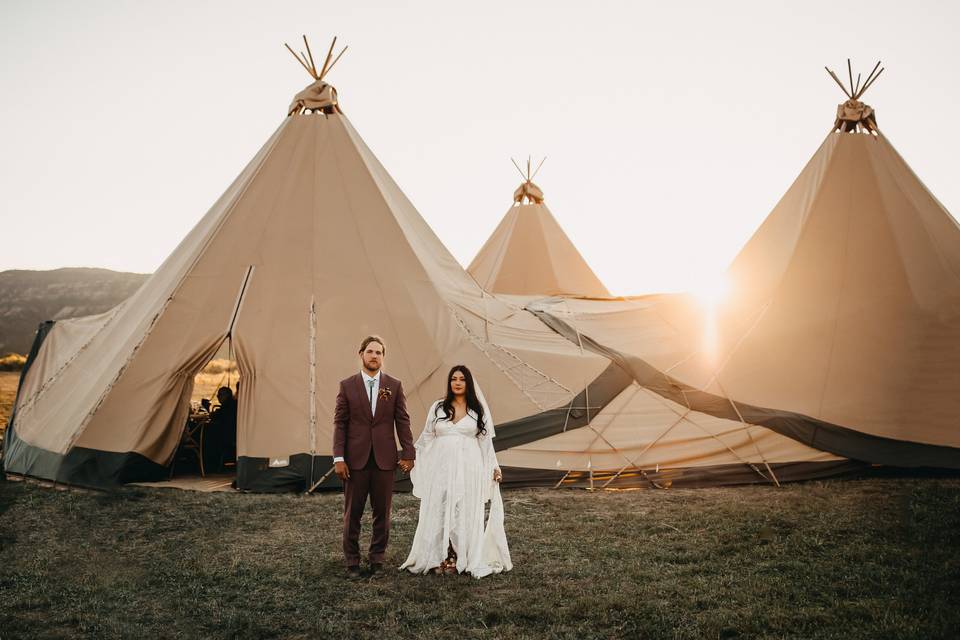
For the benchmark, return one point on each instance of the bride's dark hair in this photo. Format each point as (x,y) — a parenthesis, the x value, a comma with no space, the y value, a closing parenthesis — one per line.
(473,402)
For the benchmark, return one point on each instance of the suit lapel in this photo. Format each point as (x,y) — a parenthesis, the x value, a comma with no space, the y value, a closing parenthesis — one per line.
(364,393)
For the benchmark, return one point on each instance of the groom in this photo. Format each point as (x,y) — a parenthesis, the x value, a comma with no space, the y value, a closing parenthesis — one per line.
(370,406)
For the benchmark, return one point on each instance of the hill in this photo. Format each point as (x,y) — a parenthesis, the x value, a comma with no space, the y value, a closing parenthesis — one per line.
(27,298)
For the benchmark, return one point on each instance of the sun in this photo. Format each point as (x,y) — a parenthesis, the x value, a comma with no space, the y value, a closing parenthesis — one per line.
(712,290)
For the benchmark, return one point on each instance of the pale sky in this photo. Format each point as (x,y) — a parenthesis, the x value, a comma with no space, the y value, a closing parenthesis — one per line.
(671,129)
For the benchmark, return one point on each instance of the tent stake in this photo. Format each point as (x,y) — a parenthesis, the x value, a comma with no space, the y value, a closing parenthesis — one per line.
(320,481)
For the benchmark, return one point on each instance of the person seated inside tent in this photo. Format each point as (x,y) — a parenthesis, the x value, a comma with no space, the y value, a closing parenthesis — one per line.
(220,437)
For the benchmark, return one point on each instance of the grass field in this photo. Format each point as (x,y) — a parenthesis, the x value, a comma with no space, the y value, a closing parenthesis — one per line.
(874,558)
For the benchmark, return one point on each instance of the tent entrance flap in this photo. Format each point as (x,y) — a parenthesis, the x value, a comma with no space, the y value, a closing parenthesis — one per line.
(239,303)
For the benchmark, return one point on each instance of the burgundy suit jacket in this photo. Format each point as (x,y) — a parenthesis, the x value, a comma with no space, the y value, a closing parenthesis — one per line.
(358,434)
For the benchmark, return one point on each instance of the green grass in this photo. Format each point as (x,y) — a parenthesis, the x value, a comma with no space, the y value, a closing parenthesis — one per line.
(875,558)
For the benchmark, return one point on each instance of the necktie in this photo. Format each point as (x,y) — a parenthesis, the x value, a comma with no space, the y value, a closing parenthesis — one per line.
(370,383)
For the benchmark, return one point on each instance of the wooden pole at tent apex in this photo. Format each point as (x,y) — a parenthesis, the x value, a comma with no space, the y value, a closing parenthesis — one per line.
(528,175)
(857,90)
(522,175)
(313,65)
(849,72)
(307,62)
(302,62)
(870,84)
(839,84)
(537,170)
(869,77)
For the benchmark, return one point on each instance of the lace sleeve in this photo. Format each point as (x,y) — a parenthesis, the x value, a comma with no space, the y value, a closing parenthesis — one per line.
(489,453)
(429,432)
(490,464)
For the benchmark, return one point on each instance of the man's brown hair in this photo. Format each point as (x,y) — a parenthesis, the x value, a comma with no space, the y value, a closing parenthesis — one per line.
(368,340)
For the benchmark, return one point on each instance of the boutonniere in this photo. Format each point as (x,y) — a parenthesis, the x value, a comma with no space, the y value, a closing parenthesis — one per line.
(385,393)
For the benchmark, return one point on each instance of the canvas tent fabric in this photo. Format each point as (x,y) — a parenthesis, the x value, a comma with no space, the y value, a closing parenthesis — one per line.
(646,421)
(529,254)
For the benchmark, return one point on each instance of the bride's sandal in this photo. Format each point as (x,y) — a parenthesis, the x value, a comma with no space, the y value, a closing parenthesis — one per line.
(449,566)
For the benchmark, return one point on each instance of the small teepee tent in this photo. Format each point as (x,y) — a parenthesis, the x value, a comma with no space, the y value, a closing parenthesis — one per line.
(529,254)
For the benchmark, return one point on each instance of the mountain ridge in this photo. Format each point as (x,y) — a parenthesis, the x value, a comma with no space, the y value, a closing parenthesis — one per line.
(29,297)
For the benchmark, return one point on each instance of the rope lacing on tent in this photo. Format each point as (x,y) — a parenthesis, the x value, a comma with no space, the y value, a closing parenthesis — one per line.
(542,390)
(26,404)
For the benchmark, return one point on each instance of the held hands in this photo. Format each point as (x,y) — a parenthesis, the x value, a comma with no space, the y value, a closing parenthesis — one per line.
(342,470)
(497,475)
(406,465)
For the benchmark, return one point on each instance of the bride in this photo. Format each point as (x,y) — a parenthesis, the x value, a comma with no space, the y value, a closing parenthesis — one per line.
(455,476)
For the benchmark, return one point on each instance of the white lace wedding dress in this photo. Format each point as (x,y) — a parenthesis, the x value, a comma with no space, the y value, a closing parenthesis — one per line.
(453,477)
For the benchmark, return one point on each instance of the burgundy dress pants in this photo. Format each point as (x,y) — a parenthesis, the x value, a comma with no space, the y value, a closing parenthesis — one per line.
(373,482)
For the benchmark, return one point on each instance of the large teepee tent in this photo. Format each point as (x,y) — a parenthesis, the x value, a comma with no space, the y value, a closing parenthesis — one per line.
(529,254)
(311,248)
(842,329)
(846,304)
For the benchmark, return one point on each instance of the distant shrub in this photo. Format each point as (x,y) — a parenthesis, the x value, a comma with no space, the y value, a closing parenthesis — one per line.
(12,362)
(220,366)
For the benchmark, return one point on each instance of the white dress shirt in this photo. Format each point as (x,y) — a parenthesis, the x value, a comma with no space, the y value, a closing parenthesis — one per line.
(366,391)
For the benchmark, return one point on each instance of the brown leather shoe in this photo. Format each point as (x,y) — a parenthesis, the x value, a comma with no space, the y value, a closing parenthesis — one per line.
(376,568)
(353,572)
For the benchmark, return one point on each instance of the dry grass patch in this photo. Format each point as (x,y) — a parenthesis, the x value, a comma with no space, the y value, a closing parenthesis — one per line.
(12,362)
(218,373)
(8,391)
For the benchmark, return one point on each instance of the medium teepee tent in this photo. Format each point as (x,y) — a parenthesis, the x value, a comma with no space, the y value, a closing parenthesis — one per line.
(529,254)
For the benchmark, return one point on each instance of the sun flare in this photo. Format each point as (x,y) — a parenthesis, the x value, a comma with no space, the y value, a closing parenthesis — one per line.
(711,291)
